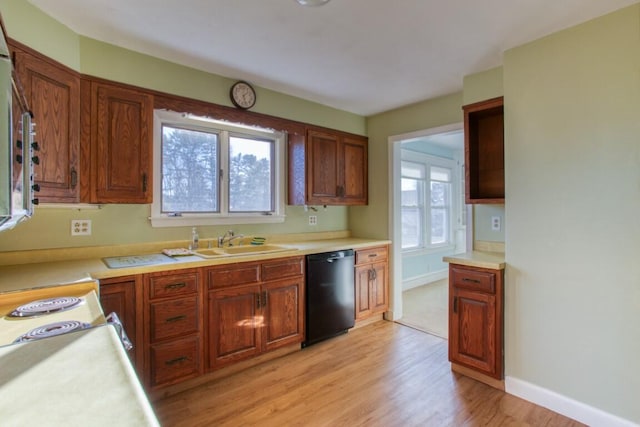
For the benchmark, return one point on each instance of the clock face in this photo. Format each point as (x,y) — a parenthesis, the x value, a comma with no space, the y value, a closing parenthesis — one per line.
(242,95)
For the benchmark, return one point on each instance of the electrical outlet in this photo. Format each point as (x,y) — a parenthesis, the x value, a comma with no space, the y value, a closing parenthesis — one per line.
(313,220)
(81,227)
(496,223)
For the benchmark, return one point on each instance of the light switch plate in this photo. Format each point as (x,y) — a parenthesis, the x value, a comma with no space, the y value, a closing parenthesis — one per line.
(313,220)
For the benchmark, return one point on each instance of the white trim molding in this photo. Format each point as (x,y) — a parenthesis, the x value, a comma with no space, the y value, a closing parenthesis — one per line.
(424,279)
(564,405)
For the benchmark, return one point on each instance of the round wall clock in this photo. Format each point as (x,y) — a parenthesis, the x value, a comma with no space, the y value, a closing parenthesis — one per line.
(243,95)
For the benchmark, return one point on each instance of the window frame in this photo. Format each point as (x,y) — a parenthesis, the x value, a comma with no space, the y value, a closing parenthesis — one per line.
(224,217)
(428,161)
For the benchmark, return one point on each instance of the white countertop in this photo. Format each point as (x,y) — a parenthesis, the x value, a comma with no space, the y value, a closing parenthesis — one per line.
(77,379)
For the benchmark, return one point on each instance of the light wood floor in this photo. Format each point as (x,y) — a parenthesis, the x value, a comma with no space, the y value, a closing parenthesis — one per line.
(384,374)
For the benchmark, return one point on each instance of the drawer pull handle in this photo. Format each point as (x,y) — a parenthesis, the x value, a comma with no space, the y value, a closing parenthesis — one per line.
(175,286)
(175,318)
(176,360)
(372,255)
(466,279)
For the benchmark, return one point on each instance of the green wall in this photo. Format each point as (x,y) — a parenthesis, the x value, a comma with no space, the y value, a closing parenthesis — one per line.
(373,220)
(119,224)
(572,107)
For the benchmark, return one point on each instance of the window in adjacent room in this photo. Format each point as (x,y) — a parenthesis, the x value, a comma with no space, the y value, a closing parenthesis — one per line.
(210,172)
(426,211)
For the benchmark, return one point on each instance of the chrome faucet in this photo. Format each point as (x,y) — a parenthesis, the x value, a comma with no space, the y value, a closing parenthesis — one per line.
(228,237)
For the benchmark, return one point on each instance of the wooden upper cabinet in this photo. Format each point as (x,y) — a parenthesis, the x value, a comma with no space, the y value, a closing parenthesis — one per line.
(53,93)
(121,144)
(327,168)
(484,151)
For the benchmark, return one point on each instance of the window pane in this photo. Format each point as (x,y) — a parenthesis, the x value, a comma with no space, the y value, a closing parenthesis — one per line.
(250,175)
(413,170)
(189,170)
(440,193)
(439,226)
(440,174)
(410,195)
(411,227)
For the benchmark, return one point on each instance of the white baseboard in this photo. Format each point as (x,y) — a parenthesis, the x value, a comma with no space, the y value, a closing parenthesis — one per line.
(423,279)
(564,405)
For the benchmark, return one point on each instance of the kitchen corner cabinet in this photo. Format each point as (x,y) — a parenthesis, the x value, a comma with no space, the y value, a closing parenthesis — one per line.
(53,94)
(173,327)
(484,152)
(372,282)
(254,308)
(476,319)
(120,128)
(119,295)
(328,168)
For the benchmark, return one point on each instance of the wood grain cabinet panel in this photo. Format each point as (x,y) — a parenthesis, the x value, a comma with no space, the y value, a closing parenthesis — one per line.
(246,320)
(235,325)
(328,168)
(173,318)
(121,144)
(371,281)
(53,94)
(119,295)
(475,319)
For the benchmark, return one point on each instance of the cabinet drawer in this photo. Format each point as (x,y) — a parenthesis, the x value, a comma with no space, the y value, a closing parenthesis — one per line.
(473,279)
(176,284)
(234,274)
(179,359)
(174,318)
(288,267)
(364,256)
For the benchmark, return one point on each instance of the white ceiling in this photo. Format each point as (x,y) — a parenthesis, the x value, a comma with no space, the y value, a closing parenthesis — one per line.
(362,56)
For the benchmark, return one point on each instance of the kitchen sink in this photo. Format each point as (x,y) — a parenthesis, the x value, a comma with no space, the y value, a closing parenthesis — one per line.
(240,250)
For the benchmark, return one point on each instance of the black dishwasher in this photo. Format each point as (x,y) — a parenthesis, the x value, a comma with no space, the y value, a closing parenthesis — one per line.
(330,295)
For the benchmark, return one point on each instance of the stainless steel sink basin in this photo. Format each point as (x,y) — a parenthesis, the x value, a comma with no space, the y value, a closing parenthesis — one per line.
(240,250)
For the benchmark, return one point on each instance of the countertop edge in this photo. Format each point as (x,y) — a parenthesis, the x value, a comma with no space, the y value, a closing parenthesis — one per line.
(491,260)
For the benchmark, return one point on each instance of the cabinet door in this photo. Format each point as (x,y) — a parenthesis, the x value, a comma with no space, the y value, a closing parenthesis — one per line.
(472,330)
(283,313)
(323,175)
(363,300)
(53,93)
(119,296)
(121,145)
(378,292)
(353,187)
(234,317)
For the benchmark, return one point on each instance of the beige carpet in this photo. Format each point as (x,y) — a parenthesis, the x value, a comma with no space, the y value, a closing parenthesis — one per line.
(425,308)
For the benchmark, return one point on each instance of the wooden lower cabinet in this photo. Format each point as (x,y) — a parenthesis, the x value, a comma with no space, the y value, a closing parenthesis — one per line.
(119,295)
(476,319)
(372,282)
(250,312)
(173,327)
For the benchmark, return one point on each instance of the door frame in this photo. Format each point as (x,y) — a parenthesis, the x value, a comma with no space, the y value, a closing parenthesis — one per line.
(395,228)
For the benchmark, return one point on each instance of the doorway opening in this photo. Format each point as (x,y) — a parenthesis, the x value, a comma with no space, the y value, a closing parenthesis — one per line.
(429,220)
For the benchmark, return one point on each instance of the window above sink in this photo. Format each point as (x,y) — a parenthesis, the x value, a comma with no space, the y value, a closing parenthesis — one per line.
(209,172)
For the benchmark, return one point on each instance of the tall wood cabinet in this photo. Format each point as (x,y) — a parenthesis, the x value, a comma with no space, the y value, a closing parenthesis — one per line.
(476,319)
(484,151)
(328,168)
(53,93)
(371,281)
(120,128)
